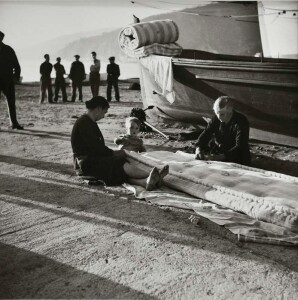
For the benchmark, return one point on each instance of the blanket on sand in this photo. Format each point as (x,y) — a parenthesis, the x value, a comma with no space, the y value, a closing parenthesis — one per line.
(261,205)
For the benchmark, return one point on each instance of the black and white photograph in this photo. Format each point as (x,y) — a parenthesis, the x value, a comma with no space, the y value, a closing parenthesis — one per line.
(149,149)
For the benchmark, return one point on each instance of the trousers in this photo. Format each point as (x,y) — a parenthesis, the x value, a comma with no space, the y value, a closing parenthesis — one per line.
(8,89)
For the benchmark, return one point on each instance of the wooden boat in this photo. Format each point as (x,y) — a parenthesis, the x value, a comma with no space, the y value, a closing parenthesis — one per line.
(264,89)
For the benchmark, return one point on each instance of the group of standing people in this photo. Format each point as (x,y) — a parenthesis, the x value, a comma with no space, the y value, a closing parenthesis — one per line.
(77,75)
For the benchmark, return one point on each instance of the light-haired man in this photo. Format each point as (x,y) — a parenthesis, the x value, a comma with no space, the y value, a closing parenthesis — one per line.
(226,137)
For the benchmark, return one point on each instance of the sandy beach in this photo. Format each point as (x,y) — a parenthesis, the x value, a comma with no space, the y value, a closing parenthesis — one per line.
(61,238)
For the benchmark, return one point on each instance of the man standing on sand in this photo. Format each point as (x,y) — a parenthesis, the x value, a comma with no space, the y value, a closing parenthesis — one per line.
(77,75)
(45,79)
(10,72)
(94,76)
(60,81)
(113,73)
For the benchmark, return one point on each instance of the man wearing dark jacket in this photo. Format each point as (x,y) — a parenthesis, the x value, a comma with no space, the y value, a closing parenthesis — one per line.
(113,73)
(45,80)
(60,81)
(77,75)
(10,72)
(226,136)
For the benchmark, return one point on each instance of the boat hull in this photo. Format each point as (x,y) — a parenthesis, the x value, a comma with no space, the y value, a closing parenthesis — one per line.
(266,92)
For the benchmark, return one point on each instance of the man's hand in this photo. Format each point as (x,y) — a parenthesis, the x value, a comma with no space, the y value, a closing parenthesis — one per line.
(199,154)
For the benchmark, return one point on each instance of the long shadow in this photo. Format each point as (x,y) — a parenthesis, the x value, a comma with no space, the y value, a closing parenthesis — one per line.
(24,274)
(65,169)
(49,132)
(159,223)
(39,133)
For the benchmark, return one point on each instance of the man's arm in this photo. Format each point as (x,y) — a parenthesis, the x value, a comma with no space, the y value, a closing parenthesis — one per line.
(83,71)
(241,141)
(118,71)
(204,138)
(93,142)
(16,66)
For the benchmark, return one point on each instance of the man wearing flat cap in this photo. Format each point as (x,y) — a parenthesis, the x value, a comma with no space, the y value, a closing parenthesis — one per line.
(113,73)
(77,75)
(45,79)
(10,72)
(94,76)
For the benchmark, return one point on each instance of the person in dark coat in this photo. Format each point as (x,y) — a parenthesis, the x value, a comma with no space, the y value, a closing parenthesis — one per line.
(60,80)
(226,137)
(93,158)
(77,75)
(113,73)
(94,76)
(45,79)
(10,72)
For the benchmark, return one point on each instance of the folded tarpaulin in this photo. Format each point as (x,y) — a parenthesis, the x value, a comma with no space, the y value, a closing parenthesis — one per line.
(171,49)
(262,195)
(161,70)
(246,228)
(146,33)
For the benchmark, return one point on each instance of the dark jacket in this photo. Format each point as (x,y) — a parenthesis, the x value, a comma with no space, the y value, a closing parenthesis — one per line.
(9,64)
(60,71)
(46,70)
(77,71)
(231,139)
(87,139)
(113,71)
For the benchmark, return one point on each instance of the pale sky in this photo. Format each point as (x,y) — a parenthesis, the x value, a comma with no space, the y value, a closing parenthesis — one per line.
(27,22)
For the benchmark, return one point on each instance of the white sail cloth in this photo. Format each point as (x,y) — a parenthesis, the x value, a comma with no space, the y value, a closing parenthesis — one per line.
(161,69)
(141,34)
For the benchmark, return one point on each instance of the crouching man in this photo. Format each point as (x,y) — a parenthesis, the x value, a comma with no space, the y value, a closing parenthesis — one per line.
(226,136)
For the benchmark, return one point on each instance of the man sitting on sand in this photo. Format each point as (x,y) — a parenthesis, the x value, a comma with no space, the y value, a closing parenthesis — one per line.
(226,136)
(93,158)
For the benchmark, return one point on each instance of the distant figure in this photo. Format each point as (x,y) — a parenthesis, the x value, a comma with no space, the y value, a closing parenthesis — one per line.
(60,81)
(113,73)
(45,79)
(130,141)
(10,72)
(226,137)
(94,77)
(77,75)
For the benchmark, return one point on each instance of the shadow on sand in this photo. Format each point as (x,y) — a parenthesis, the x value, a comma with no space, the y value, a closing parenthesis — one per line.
(162,224)
(25,274)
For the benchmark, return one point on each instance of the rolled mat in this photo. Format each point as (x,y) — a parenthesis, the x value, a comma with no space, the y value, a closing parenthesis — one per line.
(263,195)
(141,34)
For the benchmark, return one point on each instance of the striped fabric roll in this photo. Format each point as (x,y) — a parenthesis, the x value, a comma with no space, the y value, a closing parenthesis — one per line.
(141,34)
(171,49)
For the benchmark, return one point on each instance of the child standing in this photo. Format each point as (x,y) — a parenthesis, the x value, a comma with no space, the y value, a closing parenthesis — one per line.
(130,141)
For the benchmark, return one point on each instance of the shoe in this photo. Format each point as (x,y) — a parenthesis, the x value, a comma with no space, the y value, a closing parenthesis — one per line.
(17,126)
